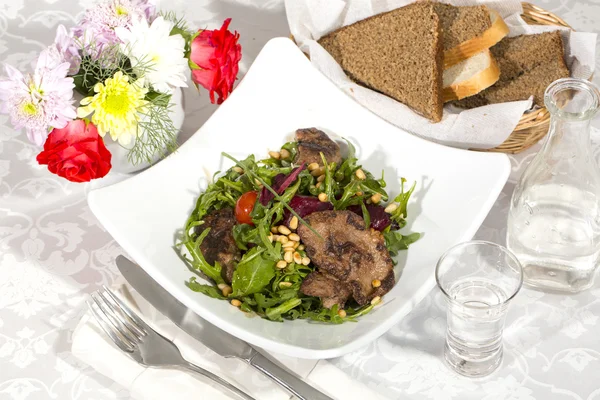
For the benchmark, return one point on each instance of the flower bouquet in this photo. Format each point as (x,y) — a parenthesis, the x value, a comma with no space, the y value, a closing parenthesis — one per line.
(123,63)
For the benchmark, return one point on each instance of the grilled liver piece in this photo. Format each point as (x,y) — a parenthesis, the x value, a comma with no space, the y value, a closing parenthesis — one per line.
(312,142)
(330,290)
(348,252)
(219,244)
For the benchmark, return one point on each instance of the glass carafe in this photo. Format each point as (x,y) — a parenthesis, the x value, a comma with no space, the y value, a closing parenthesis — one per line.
(554,217)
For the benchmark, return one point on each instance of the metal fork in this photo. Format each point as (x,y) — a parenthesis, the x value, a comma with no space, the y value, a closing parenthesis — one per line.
(140,341)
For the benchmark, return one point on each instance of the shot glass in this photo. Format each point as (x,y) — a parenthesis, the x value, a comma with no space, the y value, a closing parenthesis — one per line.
(478,279)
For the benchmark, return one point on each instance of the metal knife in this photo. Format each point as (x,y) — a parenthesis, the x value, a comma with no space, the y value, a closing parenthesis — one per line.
(212,337)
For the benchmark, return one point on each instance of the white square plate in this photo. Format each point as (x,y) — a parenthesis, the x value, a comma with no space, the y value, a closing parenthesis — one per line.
(281,93)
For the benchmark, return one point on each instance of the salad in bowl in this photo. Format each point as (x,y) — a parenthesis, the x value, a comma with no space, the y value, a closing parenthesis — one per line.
(305,233)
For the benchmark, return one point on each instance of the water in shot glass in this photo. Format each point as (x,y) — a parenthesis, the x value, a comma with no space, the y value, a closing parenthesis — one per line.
(478,279)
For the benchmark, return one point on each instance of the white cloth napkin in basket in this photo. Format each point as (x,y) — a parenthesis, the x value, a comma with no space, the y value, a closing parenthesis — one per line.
(93,347)
(482,127)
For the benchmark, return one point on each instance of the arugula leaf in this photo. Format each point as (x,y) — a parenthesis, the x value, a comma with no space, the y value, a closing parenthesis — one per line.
(366,215)
(400,214)
(274,314)
(200,263)
(252,273)
(348,166)
(209,290)
(262,232)
(266,302)
(292,147)
(395,241)
(244,234)
(329,185)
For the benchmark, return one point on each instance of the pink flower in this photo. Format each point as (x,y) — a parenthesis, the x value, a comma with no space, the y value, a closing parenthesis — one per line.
(64,49)
(214,59)
(41,101)
(99,22)
(66,46)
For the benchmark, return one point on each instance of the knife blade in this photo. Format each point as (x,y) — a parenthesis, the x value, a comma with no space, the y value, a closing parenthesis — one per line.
(212,337)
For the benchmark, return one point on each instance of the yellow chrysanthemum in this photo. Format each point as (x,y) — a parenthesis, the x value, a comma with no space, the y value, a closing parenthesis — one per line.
(116,106)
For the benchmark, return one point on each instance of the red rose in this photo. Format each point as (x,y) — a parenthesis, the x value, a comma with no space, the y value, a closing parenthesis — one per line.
(76,152)
(214,59)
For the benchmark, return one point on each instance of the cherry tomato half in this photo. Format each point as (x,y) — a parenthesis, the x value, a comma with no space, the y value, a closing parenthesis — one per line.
(244,207)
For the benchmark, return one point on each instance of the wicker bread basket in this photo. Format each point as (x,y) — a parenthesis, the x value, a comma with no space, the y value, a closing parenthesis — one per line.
(533,125)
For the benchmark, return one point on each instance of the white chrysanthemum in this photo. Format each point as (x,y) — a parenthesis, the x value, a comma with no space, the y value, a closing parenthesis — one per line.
(159,54)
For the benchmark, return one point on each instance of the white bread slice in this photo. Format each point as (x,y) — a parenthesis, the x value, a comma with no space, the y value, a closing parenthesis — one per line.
(467,49)
(470,76)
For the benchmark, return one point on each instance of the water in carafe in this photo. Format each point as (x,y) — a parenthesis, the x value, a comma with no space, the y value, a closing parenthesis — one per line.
(554,217)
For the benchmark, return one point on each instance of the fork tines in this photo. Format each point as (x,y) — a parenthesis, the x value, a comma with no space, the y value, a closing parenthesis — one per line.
(115,318)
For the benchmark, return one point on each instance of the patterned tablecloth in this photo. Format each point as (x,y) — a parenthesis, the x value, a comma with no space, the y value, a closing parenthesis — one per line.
(53,253)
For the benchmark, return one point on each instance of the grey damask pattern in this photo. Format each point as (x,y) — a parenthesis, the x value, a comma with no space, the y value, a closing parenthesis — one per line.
(53,252)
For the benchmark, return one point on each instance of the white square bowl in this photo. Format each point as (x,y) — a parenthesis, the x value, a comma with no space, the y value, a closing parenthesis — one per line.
(281,93)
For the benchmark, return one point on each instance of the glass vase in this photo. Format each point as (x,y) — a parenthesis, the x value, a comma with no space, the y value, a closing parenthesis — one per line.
(554,217)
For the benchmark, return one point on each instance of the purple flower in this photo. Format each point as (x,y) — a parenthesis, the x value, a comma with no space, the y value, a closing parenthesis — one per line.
(41,101)
(99,22)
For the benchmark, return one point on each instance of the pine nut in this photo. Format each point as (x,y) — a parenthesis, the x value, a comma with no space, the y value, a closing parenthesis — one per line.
(375,300)
(342,313)
(360,174)
(283,239)
(376,283)
(271,237)
(359,193)
(321,178)
(285,284)
(275,154)
(281,264)
(288,256)
(226,291)
(317,172)
(391,208)
(318,185)
(221,286)
(296,244)
(301,247)
(294,223)
(297,258)
(376,198)
(274,229)
(323,197)
(289,249)
(305,260)
(294,237)
(284,230)
(288,245)
(257,182)
(313,166)
(238,170)
(284,154)
(236,303)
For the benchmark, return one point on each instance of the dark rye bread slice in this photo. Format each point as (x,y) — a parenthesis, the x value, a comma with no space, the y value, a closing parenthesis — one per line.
(398,53)
(460,24)
(523,53)
(528,64)
(533,82)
